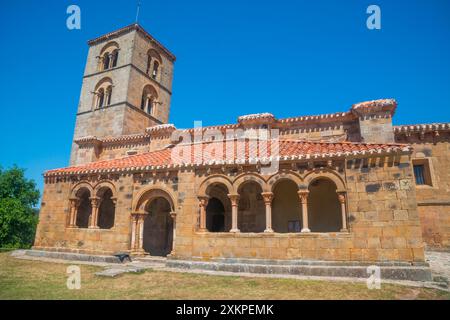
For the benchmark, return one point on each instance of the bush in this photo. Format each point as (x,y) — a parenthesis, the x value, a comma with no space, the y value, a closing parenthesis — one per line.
(18,217)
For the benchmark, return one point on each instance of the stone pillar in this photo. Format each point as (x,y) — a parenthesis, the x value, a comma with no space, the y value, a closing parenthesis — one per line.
(234,198)
(303,195)
(173,215)
(141,233)
(268,197)
(134,235)
(342,198)
(74,203)
(93,219)
(203,202)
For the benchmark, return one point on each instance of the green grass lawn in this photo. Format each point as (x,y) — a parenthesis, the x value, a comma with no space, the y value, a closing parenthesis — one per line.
(24,279)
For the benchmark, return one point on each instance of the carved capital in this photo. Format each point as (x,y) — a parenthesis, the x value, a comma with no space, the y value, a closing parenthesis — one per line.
(234,198)
(74,202)
(341,197)
(303,196)
(173,215)
(95,202)
(203,201)
(268,197)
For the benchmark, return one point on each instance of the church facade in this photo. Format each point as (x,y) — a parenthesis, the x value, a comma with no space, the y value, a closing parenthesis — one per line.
(348,186)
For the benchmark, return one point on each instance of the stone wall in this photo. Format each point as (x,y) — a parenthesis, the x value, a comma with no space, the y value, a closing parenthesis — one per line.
(382,217)
(433,200)
(383,221)
(53,232)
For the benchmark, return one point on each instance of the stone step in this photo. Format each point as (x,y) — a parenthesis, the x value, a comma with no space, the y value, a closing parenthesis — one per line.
(150,259)
(71,256)
(415,273)
(312,262)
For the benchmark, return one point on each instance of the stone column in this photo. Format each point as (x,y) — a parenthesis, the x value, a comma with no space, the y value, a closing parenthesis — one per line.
(303,195)
(268,197)
(74,203)
(234,198)
(141,233)
(134,235)
(342,198)
(173,215)
(203,203)
(93,219)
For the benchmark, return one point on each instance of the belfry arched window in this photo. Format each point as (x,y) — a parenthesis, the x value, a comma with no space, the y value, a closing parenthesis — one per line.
(100,98)
(109,56)
(114,58)
(155,69)
(149,99)
(103,93)
(153,64)
(106,61)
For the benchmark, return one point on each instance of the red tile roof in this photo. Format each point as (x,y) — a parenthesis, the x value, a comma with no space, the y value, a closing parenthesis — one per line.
(216,153)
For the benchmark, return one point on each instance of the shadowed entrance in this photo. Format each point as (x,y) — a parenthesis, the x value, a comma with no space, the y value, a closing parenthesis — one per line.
(158,228)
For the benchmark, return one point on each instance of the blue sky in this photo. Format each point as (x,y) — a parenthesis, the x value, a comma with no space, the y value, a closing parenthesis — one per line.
(234,57)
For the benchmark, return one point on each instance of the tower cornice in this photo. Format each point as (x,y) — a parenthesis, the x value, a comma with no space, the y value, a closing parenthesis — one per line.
(132,27)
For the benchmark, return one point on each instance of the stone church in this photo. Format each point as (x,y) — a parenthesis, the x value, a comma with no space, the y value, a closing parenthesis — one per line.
(343,187)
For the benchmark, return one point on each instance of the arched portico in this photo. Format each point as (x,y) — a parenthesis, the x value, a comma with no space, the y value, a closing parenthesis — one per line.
(153,223)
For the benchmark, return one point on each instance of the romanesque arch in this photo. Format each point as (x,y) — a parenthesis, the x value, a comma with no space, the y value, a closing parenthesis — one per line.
(328,174)
(105,192)
(149,194)
(212,180)
(153,221)
(109,56)
(283,176)
(251,207)
(286,209)
(324,209)
(246,177)
(84,207)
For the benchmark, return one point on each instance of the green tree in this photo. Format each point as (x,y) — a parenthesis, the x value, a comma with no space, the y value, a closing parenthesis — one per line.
(18,216)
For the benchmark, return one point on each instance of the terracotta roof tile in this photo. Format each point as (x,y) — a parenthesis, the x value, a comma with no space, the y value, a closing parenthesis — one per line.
(216,153)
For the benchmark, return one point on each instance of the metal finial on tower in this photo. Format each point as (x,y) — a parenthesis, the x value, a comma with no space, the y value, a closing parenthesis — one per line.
(137,10)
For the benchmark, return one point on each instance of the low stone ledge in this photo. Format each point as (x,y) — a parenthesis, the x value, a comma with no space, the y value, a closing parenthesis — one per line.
(71,256)
(393,272)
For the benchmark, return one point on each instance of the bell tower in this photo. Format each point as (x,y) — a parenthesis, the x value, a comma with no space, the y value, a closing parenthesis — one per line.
(127,86)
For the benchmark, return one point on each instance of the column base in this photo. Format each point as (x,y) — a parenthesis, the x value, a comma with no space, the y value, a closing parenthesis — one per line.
(235,230)
(344,230)
(203,230)
(93,227)
(269,230)
(305,230)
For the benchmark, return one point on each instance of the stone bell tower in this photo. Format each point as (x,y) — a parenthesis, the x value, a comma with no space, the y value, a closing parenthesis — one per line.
(127,86)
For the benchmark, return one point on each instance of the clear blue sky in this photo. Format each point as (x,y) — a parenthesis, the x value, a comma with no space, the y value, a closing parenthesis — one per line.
(234,57)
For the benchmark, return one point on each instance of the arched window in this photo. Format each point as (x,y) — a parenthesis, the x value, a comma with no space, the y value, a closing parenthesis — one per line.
(106,210)
(84,208)
(109,56)
(100,98)
(106,61)
(155,69)
(148,100)
(286,212)
(153,63)
(215,216)
(114,58)
(251,208)
(103,93)
(149,64)
(108,95)
(324,210)
(218,209)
